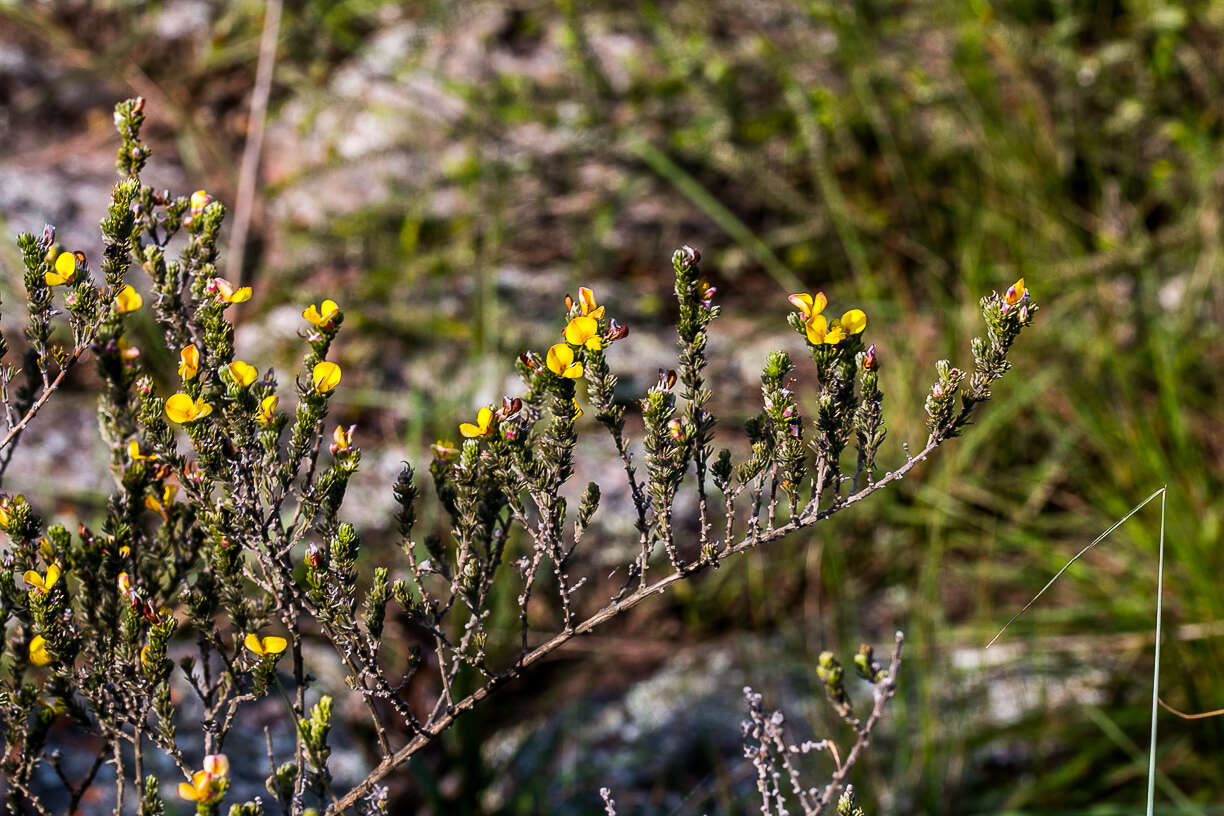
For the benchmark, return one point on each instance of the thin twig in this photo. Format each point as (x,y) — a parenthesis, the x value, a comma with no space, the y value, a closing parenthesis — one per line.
(245,199)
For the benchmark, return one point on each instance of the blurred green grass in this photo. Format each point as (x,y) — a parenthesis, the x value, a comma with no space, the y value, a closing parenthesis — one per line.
(906,157)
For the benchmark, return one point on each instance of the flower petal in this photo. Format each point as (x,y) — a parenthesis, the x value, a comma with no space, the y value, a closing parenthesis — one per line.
(274,645)
(128,300)
(253,643)
(559,358)
(816,327)
(581,329)
(180,408)
(326,376)
(854,321)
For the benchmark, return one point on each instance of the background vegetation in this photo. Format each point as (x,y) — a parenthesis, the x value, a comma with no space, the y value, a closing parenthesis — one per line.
(448,172)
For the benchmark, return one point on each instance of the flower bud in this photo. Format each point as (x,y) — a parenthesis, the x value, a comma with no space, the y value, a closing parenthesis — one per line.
(869,359)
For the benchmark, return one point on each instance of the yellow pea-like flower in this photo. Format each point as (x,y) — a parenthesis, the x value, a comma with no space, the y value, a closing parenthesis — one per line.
(41,583)
(136,456)
(854,321)
(243,373)
(1015,293)
(322,314)
(228,293)
(189,362)
(560,361)
(267,409)
(584,331)
(205,784)
(182,409)
(128,300)
(199,200)
(64,270)
(483,426)
(341,438)
(808,305)
(326,376)
(38,651)
(264,647)
(586,300)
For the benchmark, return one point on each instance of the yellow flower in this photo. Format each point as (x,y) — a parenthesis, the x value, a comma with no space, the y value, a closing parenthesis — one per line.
(4,514)
(65,269)
(560,360)
(136,456)
(577,409)
(326,376)
(125,551)
(199,200)
(342,440)
(227,293)
(444,448)
(586,299)
(267,407)
(144,655)
(128,300)
(38,651)
(243,373)
(854,321)
(819,331)
(265,647)
(809,306)
(483,426)
(167,499)
(189,362)
(180,408)
(40,583)
(322,314)
(1014,294)
(584,331)
(206,785)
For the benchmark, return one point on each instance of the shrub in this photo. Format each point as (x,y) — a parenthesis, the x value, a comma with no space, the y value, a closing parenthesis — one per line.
(230,549)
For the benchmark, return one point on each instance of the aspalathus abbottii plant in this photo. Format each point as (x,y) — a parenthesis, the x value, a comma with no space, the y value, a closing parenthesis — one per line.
(221,543)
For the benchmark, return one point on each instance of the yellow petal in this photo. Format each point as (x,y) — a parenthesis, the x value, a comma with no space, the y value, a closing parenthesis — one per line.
(199,200)
(187,792)
(253,643)
(802,301)
(469,430)
(326,376)
(38,651)
(241,295)
(65,269)
(53,575)
(274,645)
(854,321)
(559,358)
(581,329)
(1014,293)
(128,300)
(33,579)
(573,372)
(321,314)
(243,373)
(577,409)
(267,407)
(816,327)
(181,408)
(484,418)
(189,362)
(835,336)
